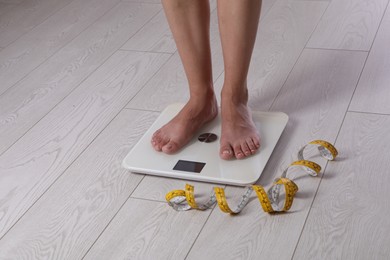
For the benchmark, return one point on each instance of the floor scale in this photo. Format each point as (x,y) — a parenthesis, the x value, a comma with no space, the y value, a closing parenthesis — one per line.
(199,160)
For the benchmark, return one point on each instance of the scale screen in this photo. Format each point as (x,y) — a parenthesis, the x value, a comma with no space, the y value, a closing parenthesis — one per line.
(189,166)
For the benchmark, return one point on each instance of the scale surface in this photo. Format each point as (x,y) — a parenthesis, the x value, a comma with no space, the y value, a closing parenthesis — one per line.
(200,161)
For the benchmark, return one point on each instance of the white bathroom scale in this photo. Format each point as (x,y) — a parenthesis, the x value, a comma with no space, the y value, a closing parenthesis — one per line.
(199,160)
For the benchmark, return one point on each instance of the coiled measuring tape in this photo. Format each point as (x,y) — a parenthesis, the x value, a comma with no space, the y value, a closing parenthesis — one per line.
(182,200)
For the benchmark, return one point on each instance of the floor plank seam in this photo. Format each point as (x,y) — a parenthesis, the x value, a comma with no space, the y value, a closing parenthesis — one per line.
(357,83)
(217,78)
(11,4)
(367,113)
(140,2)
(156,52)
(285,80)
(319,21)
(330,49)
(36,24)
(152,200)
(380,23)
(142,110)
(54,53)
(109,222)
(265,14)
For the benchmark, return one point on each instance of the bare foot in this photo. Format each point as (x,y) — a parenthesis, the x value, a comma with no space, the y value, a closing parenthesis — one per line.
(239,137)
(178,132)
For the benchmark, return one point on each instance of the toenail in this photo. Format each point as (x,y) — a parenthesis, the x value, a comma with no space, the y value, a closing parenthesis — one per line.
(226,151)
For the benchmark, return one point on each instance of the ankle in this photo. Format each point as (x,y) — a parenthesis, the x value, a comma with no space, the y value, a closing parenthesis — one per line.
(234,96)
(203,95)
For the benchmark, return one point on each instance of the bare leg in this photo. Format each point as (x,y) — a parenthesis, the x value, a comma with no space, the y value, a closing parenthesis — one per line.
(189,21)
(238,22)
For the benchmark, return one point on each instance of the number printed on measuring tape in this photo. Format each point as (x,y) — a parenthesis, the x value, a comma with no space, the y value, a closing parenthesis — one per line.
(182,200)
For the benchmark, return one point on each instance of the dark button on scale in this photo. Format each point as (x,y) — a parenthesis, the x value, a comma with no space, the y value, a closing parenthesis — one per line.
(207,137)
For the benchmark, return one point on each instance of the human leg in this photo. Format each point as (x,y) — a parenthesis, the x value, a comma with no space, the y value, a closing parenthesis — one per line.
(238,22)
(189,22)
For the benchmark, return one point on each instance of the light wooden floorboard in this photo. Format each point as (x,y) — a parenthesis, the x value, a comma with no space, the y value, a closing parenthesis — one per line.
(40,156)
(26,16)
(33,48)
(27,102)
(349,217)
(266,6)
(4,8)
(283,34)
(349,24)
(70,216)
(148,230)
(316,103)
(373,92)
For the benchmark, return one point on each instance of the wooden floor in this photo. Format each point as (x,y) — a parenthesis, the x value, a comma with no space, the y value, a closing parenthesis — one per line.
(81,80)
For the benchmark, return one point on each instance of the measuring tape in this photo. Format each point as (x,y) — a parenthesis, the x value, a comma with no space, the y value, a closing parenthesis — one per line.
(182,200)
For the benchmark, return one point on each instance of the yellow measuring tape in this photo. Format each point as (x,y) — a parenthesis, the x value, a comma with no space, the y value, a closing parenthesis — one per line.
(182,200)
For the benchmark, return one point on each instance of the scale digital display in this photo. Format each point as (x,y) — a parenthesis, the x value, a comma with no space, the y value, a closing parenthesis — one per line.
(189,166)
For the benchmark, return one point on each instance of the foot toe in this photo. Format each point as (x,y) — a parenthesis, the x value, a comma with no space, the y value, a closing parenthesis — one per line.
(251,145)
(226,152)
(245,148)
(238,152)
(170,147)
(157,142)
(156,146)
(156,134)
(256,141)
